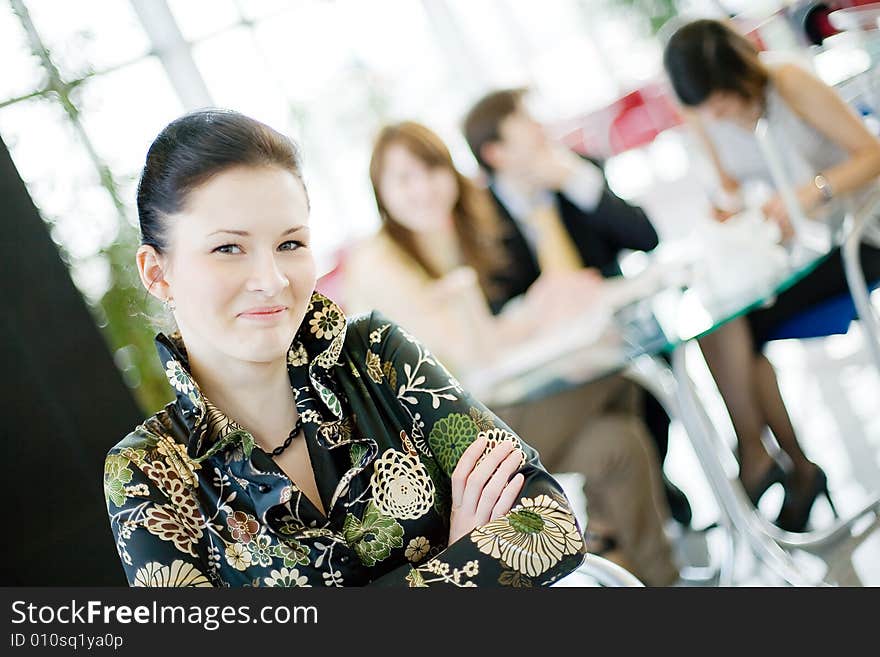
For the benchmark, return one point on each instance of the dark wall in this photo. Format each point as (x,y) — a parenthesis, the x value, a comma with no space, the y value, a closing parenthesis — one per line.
(63,404)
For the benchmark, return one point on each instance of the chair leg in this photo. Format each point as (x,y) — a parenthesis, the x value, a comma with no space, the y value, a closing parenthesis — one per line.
(855,277)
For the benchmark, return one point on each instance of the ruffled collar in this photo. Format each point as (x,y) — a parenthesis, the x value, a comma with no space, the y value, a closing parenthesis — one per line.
(312,355)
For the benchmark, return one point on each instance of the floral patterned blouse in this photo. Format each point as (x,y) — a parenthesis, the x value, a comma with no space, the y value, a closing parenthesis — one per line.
(193,501)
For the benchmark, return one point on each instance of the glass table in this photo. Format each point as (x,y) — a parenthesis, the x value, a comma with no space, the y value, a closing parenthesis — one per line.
(641,329)
(635,318)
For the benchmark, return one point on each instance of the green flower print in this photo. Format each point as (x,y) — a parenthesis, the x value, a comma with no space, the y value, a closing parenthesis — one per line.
(441,484)
(331,400)
(356,453)
(261,551)
(116,475)
(415,579)
(373,537)
(178,377)
(294,553)
(450,436)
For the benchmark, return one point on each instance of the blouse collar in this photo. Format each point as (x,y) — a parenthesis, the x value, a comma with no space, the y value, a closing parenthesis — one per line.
(311,357)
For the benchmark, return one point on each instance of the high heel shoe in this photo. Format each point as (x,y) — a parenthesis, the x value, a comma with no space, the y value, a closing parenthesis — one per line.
(774,475)
(797,505)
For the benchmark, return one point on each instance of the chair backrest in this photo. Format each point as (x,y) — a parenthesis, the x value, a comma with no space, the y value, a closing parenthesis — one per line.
(596,571)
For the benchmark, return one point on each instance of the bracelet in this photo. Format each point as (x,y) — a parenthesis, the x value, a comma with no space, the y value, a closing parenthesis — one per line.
(824,187)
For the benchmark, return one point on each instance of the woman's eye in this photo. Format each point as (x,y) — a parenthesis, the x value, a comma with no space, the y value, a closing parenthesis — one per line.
(228,248)
(291,245)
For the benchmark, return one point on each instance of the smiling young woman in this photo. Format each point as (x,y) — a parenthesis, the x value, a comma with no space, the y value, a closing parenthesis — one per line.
(303,448)
(432,266)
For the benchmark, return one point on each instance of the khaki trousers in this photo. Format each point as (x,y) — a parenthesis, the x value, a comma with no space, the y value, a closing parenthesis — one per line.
(596,430)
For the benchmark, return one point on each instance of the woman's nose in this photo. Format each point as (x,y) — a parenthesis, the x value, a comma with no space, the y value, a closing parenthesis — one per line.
(267,276)
(420,194)
(419,186)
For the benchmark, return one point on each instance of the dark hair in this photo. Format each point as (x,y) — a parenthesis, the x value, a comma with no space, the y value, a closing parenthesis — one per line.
(706,56)
(195,147)
(482,122)
(474,217)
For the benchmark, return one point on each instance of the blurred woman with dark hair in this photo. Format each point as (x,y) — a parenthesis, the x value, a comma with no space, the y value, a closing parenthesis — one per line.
(432,266)
(830,155)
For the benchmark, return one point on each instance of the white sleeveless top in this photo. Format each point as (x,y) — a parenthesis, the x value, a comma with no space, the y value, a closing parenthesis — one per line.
(804,153)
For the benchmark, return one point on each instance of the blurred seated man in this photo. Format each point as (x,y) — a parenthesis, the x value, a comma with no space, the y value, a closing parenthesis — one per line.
(558,215)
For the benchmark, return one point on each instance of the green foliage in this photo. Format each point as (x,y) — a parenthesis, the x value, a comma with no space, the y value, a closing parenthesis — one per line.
(656,12)
(123,317)
(120,314)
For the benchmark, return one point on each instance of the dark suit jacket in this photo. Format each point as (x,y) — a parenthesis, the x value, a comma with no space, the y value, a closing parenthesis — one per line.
(599,236)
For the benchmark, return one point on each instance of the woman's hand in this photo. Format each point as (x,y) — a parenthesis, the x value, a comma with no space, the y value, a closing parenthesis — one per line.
(774,210)
(551,301)
(483,491)
(720,214)
(727,200)
(807,197)
(556,296)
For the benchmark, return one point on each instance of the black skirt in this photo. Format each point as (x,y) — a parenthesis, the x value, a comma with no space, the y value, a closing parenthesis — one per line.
(825,282)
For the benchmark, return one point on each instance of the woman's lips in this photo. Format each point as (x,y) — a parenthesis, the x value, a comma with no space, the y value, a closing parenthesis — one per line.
(268,312)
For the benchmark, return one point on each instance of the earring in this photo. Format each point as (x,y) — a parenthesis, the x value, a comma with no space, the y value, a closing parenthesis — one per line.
(169,304)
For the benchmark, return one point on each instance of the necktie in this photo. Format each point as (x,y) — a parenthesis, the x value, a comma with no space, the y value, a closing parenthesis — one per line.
(555,249)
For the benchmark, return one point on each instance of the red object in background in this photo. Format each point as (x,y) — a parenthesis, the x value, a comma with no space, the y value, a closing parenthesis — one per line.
(822,24)
(631,121)
(644,114)
(817,25)
(331,283)
(849,4)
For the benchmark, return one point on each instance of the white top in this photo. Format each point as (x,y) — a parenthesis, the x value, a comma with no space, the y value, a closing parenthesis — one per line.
(804,152)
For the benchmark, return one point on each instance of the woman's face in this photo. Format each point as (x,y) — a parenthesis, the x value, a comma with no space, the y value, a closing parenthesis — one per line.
(239,266)
(416,195)
(729,106)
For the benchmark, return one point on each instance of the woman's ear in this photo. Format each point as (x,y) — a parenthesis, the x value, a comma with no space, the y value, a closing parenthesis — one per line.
(151,268)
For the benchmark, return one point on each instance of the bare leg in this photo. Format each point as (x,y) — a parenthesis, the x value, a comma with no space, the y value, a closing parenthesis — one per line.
(731,359)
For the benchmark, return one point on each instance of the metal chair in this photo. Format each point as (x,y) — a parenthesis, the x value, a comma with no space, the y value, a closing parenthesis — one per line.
(601,571)
(745,527)
(674,387)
